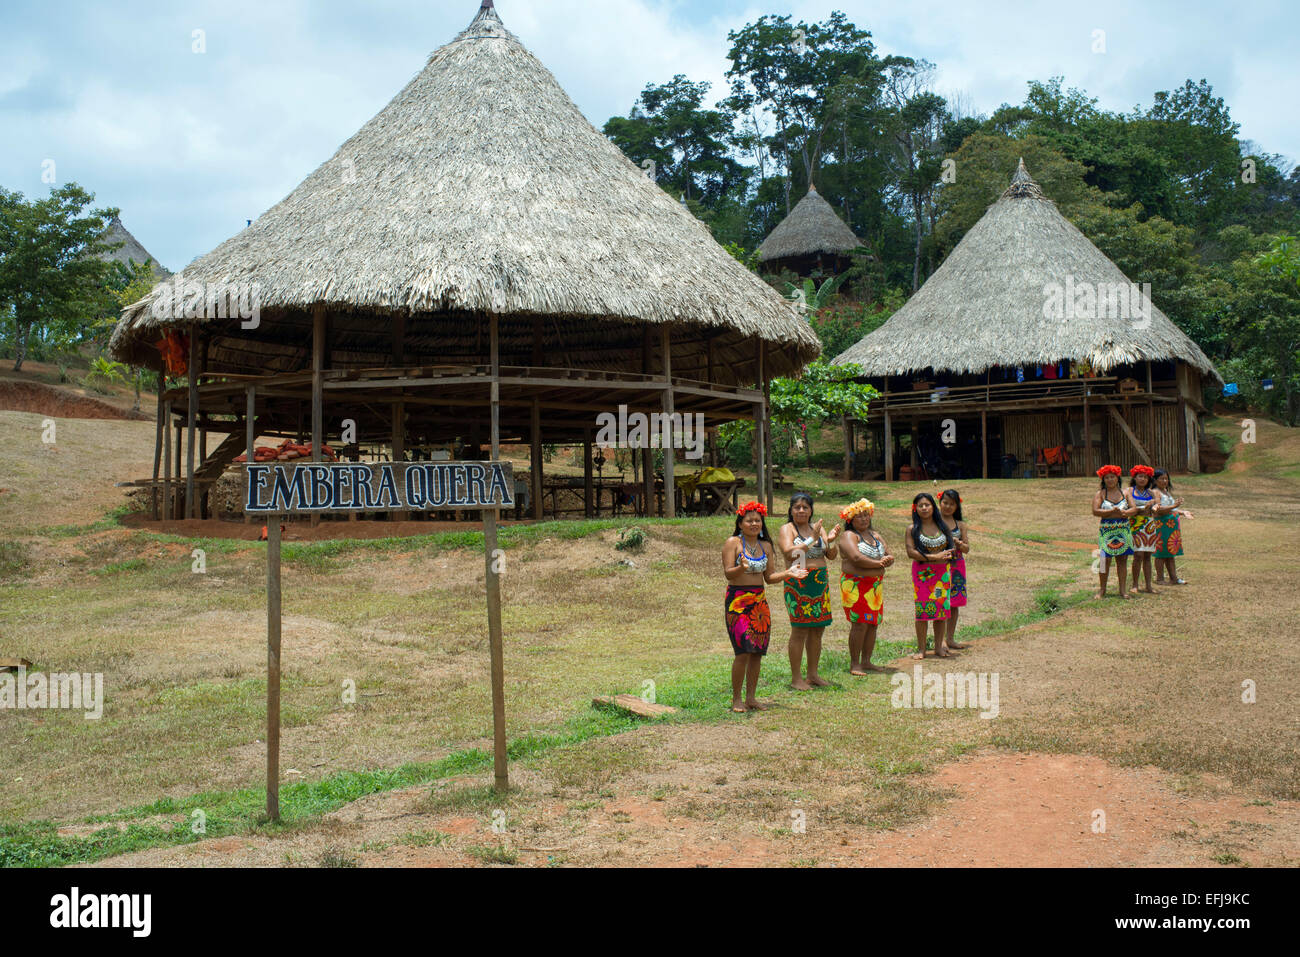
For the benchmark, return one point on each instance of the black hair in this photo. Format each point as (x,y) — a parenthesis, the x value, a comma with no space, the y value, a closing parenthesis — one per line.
(952,494)
(938,520)
(789,513)
(762,535)
(1160,472)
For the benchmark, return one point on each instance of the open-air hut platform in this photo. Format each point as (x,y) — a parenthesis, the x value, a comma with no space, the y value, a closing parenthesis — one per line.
(982,352)
(478,264)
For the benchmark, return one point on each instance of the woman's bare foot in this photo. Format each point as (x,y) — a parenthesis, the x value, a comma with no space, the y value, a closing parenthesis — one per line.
(1099,594)
(876,669)
(817,681)
(958,645)
(858,671)
(919,656)
(1148,591)
(738,706)
(800,685)
(757,705)
(943,653)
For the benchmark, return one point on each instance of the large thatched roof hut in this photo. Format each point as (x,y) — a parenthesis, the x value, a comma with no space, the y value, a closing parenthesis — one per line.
(131,250)
(1029,330)
(811,238)
(479,198)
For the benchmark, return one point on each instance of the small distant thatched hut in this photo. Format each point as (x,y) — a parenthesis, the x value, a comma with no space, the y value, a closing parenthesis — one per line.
(1026,339)
(476,239)
(131,250)
(811,239)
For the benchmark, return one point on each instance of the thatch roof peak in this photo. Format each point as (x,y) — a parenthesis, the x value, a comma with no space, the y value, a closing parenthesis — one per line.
(993,302)
(131,250)
(1023,185)
(481,188)
(812,227)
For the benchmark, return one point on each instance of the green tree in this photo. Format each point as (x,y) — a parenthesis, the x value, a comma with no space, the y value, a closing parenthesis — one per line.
(50,270)
(688,144)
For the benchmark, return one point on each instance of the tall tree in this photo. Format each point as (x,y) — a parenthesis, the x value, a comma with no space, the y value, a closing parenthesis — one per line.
(50,270)
(689,145)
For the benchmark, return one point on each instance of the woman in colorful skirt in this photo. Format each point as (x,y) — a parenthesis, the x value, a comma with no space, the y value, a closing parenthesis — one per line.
(932,547)
(950,511)
(1146,534)
(1168,509)
(749,560)
(1115,539)
(864,558)
(807,600)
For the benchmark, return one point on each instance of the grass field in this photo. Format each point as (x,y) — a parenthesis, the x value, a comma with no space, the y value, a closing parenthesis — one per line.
(1135,701)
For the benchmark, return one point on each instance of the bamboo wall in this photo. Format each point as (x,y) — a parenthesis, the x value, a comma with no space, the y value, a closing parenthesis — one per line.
(1025,432)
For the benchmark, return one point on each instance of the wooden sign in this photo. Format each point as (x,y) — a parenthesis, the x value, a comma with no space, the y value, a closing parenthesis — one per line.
(331,487)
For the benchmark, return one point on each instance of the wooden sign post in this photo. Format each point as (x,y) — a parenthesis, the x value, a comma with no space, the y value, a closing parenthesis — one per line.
(341,487)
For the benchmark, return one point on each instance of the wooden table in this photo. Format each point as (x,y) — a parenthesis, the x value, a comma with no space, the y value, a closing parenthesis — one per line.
(719,498)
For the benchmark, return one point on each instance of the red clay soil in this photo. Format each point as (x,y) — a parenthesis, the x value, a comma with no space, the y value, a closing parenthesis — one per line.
(298,531)
(18,396)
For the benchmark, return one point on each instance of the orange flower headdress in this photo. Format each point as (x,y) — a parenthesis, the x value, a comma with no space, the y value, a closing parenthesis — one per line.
(752,507)
(1109,470)
(861,507)
(1146,470)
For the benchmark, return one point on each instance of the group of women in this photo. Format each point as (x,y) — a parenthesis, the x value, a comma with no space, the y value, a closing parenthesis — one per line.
(1140,521)
(937,543)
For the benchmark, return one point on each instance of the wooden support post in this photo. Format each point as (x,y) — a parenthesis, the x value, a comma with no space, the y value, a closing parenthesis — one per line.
(161,426)
(203,436)
(178,501)
(167,459)
(317,388)
(191,414)
(495,647)
(273,667)
(398,410)
(670,456)
(587,480)
(984,439)
(915,453)
(648,481)
(1184,439)
(848,448)
(769,473)
(1089,467)
(760,427)
(250,439)
(535,458)
(647,456)
(889,448)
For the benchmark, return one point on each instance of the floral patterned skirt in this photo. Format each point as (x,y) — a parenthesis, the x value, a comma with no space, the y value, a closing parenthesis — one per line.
(749,620)
(808,600)
(932,590)
(863,597)
(1171,537)
(958,599)
(1146,533)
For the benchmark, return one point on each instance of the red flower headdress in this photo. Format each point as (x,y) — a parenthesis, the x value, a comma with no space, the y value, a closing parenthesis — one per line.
(1109,470)
(752,507)
(1146,470)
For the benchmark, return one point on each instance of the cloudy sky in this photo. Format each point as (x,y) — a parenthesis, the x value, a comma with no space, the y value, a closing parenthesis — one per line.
(191,144)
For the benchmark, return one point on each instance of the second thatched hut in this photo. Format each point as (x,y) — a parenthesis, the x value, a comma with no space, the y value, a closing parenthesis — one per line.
(1028,351)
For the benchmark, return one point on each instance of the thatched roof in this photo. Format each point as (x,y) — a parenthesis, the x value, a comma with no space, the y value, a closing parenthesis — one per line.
(812,227)
(481,188)
(131,249)
(985,306)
